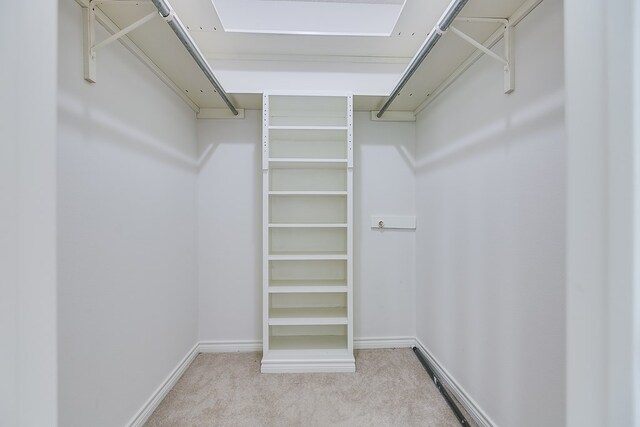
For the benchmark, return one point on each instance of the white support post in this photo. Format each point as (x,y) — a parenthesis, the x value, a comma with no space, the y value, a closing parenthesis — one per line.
(88,26)
(509,54)
(507,60)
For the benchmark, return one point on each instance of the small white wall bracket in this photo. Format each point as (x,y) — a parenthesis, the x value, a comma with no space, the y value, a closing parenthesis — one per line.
(507,60)
(397,222)
(90,45)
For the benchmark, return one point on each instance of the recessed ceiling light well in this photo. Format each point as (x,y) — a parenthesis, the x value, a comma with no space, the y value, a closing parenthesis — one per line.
(315,17)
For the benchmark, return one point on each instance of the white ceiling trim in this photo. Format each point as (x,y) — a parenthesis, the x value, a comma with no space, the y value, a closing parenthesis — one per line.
(348,1)
(310,58)
(255,76)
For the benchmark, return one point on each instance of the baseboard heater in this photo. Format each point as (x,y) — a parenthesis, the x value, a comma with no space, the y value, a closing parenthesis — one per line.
(440,387)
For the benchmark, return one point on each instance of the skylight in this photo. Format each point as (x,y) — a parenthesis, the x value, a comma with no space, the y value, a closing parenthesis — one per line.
(316,17)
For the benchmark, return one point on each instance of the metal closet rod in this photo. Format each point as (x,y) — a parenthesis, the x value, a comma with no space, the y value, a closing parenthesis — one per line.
(441,26)
(178,27)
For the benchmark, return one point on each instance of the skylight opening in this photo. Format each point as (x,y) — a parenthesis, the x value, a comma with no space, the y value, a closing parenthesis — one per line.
(313,17)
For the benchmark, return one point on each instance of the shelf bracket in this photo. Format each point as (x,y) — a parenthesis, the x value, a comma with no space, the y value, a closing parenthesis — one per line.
(90,45)
(507,60)
(89,32)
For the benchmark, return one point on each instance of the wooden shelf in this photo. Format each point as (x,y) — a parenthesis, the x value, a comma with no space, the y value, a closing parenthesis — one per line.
(309,282)
(307,163)
(309,342)
(334,225)
(308,225)
(308,127)
(297,256)
(301,289)
(326,111)
(308,316)
(307,193)
(307,286)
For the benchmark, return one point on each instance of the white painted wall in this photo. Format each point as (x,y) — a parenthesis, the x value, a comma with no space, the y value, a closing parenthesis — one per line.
(28,388)
(491,240)
(603,283)
(230,228)
(384,261)
(230,224)
(127,232)
(635,350)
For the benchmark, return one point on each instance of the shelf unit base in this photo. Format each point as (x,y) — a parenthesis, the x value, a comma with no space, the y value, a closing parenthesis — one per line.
(307,361)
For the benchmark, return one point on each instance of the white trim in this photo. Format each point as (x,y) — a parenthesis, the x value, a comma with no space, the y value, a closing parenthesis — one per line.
(308,361)
(470,405)
(307,58)
(394,116)
(147,409)
(229,346)
(219,113)
(383,342)
(293,92)
(256,345)
(316,366)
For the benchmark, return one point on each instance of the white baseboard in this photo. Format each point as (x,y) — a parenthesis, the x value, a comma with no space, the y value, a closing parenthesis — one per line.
(229,346)
(256,345)
(472,408)
(383,342)
(147,409)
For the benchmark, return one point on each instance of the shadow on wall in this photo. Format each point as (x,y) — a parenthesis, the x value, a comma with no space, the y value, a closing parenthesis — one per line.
(92,121)
(383,134)
(230,227)
(543,111)
(207,148)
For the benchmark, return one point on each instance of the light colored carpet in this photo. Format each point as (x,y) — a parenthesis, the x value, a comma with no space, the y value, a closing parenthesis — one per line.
(389,388)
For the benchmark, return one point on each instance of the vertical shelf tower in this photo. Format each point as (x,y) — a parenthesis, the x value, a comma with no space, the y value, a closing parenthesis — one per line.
(307,172)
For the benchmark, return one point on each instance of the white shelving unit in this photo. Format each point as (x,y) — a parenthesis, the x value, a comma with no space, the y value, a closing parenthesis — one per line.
(307,233)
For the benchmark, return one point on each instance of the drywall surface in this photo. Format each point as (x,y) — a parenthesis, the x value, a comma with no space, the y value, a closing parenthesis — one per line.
(230,229)
(28,388)
(491,240)
(384,261)
(603,120)
(126,218)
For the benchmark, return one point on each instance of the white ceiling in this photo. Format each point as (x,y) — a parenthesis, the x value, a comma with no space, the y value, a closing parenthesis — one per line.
(248,63)
(316,17)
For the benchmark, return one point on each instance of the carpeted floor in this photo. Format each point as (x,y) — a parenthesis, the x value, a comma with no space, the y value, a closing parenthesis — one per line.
(389,388)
